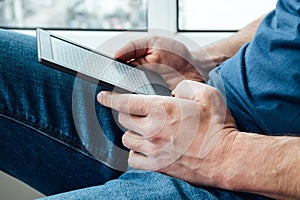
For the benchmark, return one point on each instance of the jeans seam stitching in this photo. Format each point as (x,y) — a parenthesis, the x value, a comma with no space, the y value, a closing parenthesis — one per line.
(52,132)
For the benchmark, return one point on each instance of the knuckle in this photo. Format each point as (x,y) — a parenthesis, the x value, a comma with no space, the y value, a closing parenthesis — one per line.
(168,107)
(155,153)
(151,132)
(154,132)
(156,115)
(207,92)
(214,91)
(213,94)
(138,146)
(138,104)
(157,140)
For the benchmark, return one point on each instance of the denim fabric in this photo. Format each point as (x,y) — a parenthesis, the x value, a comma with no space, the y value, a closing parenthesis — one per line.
(145,185)
(45,135)
(39,140)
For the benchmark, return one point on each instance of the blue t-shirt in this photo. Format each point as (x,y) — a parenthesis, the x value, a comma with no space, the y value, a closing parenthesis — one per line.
(261,83)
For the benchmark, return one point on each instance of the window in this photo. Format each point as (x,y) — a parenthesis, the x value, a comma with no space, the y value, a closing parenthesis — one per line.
(217,15)
(74,14)
(203,21)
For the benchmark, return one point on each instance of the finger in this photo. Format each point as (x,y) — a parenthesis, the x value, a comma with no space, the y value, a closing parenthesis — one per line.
(141,161)
(126,103)
(148,126)
(138,161)
(184,91)
(137,143)
(134,49)
(190,90)
(135,123)
(136,62)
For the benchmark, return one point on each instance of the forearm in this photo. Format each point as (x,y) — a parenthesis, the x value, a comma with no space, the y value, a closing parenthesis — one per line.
(221,50)
(264,165)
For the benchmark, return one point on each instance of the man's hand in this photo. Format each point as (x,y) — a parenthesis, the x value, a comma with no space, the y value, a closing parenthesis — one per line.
(169,58)
(186,137)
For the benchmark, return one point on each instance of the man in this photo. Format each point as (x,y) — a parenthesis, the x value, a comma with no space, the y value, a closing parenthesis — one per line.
(192,145)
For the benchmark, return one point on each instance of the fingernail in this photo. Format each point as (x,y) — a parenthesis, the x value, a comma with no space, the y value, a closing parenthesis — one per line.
(173,93)
(100,97)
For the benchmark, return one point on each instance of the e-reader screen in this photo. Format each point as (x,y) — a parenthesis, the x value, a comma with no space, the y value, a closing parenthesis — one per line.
(96,65)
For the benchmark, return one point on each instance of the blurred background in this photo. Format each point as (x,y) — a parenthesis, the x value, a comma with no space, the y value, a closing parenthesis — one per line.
(74,14)
(128,14)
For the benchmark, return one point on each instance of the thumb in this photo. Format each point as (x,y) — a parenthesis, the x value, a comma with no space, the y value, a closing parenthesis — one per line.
(187,89)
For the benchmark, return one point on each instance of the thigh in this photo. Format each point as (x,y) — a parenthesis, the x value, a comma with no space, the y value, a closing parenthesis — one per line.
(136,184)
(45,164)
(59,109)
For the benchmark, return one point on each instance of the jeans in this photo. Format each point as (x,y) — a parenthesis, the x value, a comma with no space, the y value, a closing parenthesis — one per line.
(49,136)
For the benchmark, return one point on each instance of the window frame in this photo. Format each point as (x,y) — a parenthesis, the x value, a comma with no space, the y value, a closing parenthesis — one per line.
(161,15)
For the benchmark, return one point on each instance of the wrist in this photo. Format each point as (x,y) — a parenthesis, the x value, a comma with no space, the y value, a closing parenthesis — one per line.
(202,62)
(211,56)
(217,53)
(243,161)
(262,165)
(224,171)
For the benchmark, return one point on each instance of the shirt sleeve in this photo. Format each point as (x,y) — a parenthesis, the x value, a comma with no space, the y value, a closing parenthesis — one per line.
(261,83)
